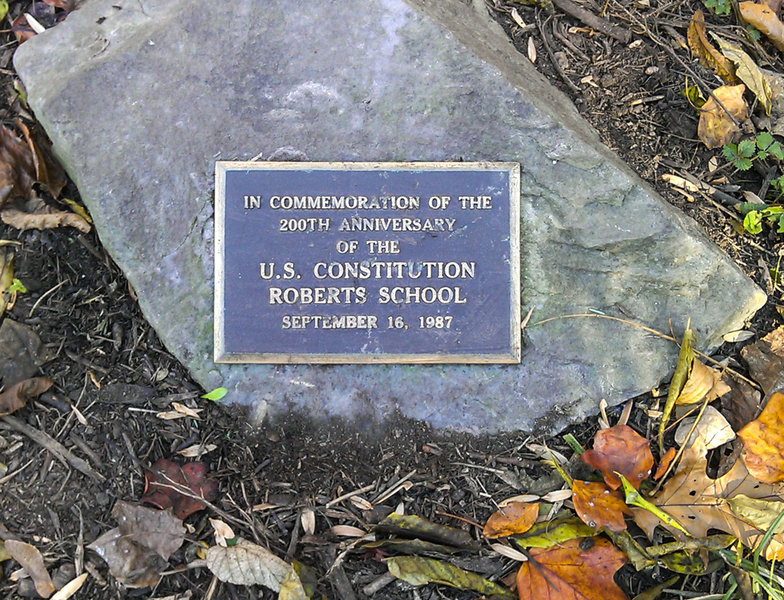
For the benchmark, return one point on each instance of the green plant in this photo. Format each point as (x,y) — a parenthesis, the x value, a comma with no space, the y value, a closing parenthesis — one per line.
(742,155)
(720,7)
(755,214)
(17,287)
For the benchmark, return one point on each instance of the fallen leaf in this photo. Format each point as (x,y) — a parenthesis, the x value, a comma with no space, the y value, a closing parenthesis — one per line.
(6,277)
(747,71)
(703,381)
(716,127)
(765,359)
(39,215)
(712,427)
(702,48)
(17,171)
(48,171)
(18,394)
(664,463)
(137,550)
(32,562)
(291,587)
(22,28)
(760,513)
(308,521)
(550,533)
(764,19)
(413,526)
(763,442)
(598,506)
(741,405)
(4,554)
(623,450)
(158,530)
(159,491)
(197,450)
(699,503)
(408,546)
(247,563)
(222,532)
(679,378)
(515,517)
(569,572)
(130,563)
(420,571)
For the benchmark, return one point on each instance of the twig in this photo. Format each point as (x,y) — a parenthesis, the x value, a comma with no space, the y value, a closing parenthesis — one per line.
(56,448)
(339,499)
(554,62)
(590,19)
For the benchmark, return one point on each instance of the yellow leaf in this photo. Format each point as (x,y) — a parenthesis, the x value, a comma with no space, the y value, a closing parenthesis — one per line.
(708,55)
(764,19)
(420,571)
(748,72)
(551,533)
(716,127)
(703,381)
(760,513)
(763,442)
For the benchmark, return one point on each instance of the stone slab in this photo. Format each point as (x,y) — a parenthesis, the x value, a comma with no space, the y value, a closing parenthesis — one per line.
(141,97)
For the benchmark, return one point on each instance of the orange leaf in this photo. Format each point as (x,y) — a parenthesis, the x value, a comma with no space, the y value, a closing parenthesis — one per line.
(598,507)
(620,449)
(764,19)
(716,127)
(664,463)
(575,570)
(515,517)
(763,442)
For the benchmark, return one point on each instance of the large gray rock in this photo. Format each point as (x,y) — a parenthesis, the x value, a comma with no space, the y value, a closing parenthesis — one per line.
(140,97)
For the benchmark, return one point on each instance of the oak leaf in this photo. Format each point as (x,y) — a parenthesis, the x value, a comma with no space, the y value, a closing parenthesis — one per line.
(704,50)
(515,517)
(598,506)
(763,442)
(699,503)
(716,127)
(623,450)
(575,570)
(764,19)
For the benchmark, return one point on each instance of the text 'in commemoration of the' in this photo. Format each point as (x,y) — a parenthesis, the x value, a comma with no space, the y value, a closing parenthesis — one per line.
(367,262)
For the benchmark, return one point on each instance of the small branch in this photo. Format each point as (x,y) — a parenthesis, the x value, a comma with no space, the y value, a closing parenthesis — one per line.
(593,21)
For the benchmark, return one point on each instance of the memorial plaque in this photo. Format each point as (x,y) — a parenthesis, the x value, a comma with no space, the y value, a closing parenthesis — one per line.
(367,262)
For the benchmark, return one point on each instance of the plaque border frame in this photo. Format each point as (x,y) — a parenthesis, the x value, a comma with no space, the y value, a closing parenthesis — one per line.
(220,356)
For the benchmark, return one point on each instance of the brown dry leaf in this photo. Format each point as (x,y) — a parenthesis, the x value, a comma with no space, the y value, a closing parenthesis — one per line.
(160,491)
(703,381)
(39,215)
(33,563)
(17,171)
(599,507)
(132,564)
(569,572)
(765,359)
(708,55)
(247,563)
(70,588)
(699,503)
(138,548)
(763,442)
(18,394)
(48,171)
(764,19)
(712,427)
(21,352)
(748,72)
(623,450)
(716,128)
(515,517)
(6,277)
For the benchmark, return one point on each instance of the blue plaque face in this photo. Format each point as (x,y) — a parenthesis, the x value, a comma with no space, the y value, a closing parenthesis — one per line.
(367,262)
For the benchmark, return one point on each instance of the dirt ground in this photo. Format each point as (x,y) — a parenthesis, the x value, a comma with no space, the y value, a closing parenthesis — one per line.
(112,376)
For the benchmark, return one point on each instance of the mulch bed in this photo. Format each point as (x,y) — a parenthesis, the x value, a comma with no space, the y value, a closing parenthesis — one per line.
(113,376)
